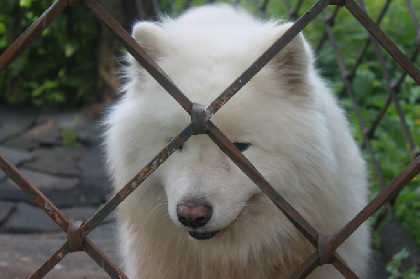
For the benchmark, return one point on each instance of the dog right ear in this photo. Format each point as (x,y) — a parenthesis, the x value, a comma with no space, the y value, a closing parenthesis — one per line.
(151,37)
(294,61)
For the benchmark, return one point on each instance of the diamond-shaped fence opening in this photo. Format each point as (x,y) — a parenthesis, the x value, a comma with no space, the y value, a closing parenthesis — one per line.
(325,245)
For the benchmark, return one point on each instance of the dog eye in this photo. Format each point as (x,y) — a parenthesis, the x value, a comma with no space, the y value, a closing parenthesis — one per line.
(242,146)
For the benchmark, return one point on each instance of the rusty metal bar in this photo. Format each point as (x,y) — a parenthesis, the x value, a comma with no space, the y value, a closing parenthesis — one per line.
(27,37)
(379,55)
(272,51)
(413,19)
(140,54)
(293,12)
(323,256)
(351,94)
(392,91)
(370,133)
(77,233)
(330,19)
(369,39)
(404,73)
(242,162)
(306,267)
(343,268)
(72,228)
(74,239)
(383,39)
(397,85)
(34,193)
(261,7)
(313,261)
(404,125)
(325,248)
(383,197)
(103,261)
(299,5)
(110,205)
(199,119)
(402,179)
(51,262)
(393,96)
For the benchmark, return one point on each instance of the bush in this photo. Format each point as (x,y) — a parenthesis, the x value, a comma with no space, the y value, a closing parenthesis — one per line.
(59,66)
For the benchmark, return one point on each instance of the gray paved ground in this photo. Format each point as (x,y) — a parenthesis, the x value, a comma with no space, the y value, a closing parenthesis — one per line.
(22,254)
(60,153)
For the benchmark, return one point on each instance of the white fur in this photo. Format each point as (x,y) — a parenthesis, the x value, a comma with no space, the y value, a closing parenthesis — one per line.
(300,142)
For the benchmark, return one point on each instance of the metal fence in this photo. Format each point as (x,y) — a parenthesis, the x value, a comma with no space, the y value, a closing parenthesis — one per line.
(325,245)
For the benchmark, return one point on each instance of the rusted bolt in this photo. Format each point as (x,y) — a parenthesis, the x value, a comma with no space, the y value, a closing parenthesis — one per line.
(74,237)
(199,117)
(75,2)
(325,248)
(338,2)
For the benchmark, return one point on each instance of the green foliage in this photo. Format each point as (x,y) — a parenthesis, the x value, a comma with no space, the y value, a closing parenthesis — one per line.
(371,91)
(69,133)
(59,66)
(69,136)
(396,270)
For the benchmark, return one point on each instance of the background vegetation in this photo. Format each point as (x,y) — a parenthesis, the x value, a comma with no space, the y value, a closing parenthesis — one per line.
(61,67)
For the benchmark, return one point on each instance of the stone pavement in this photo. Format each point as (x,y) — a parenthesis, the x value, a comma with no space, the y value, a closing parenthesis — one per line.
(60,154)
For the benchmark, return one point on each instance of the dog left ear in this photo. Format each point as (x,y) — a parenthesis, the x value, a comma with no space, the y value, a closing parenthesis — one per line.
(294,60)
(151,37)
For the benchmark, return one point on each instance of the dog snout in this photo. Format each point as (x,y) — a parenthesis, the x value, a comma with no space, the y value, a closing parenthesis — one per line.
(194,214)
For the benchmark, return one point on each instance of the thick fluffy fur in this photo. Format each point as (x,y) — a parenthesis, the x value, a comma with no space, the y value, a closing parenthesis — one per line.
(300,142)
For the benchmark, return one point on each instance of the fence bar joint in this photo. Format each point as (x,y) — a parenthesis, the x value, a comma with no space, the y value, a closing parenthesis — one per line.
(340,3)
(75,2)
(199,118)
(325,248)
(74,237)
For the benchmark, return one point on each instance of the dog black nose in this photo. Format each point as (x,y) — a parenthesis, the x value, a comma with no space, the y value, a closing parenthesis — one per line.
(194,215)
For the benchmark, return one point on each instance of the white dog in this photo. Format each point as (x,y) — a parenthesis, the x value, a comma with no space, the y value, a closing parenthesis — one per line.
(199,215)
